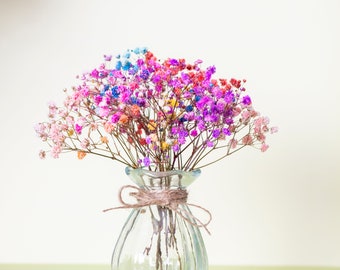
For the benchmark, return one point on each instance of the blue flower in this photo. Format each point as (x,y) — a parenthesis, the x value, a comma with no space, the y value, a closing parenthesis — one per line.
(127,55)
(115,92)
(143,50)
(126,65)
(136,51)
(133,100)
(189,108)
(118,65)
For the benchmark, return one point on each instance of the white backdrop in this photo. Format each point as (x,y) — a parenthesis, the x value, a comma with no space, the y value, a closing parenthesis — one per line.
(277,208)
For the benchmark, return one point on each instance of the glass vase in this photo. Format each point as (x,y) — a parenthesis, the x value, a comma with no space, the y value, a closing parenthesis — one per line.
(158,236)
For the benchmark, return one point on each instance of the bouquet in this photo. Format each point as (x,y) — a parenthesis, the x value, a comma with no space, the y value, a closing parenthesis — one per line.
(164,120)
(161,115)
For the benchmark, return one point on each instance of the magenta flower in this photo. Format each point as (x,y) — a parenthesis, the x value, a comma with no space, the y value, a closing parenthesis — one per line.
(78,128)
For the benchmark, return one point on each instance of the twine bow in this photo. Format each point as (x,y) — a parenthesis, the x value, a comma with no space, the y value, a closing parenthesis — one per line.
(168,198)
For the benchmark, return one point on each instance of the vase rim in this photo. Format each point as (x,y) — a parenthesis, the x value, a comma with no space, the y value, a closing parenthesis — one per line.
(145,171)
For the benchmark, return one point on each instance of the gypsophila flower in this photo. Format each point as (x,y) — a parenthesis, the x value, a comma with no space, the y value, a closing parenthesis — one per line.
(143,112)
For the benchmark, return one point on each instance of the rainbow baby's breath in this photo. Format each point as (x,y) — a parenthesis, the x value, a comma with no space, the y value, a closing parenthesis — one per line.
(163,115)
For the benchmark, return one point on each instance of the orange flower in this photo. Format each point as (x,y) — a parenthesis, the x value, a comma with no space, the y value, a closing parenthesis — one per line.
(123,119)
(81,154)
(135,111)
(104,139)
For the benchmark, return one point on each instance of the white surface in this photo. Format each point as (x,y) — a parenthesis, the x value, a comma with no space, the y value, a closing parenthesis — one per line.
(281,207)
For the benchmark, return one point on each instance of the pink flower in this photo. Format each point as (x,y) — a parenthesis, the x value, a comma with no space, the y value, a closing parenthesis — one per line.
(55,151)
(274,130)
(247,140)
(109,127)
(233,143)
(107,57)
(85,143)
(245,115)
(52,109)
(42,154)
(264,147)
(209,143)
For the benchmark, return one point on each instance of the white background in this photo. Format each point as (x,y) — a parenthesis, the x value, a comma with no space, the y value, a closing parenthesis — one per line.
(277,208)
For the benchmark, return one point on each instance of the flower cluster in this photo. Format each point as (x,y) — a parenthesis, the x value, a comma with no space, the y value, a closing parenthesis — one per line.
(164,115)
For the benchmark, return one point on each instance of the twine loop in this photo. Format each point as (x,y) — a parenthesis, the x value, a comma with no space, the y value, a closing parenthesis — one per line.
(167,198)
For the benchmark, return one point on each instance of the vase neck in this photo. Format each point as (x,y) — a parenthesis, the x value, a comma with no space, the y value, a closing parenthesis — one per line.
(159,180)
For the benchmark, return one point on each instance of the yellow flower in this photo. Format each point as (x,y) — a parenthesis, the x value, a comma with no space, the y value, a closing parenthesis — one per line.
(164,145)
(70,132)
(152,125)
(172,102)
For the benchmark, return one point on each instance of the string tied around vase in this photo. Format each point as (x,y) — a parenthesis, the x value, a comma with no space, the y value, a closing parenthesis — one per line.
(168,198)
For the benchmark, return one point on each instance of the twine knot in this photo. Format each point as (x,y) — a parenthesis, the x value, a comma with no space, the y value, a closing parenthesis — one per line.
(168,198)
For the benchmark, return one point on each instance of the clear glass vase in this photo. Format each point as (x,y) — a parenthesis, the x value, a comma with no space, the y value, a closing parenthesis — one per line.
(157,237)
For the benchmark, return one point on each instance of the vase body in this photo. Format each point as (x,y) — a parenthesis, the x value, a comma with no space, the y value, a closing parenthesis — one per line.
(156,237)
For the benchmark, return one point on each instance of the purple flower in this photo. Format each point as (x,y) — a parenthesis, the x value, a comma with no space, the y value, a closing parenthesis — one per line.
(156,78)
(181,140)
(145,74)
(216,133)
(173,62)
(185,77)
(174,130)
(246,100)
(183,133)
(226,131)
(201,125)
(148,140)
(220,105)
(175,147)
(229,97)
(202,102)
(210,71)
(146,161)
